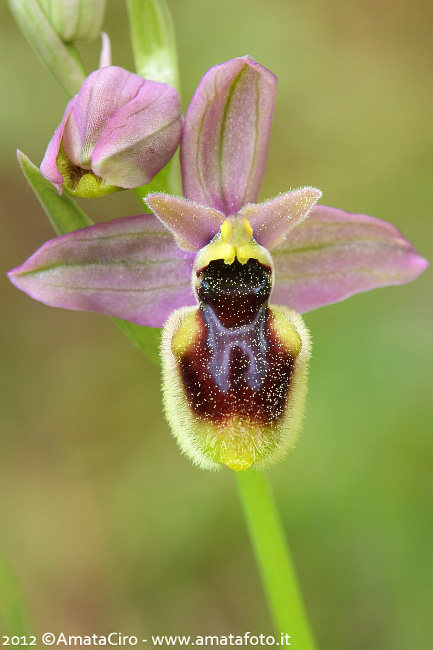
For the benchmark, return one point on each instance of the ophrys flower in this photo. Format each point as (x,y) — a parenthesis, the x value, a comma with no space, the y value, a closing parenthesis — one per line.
(234,366)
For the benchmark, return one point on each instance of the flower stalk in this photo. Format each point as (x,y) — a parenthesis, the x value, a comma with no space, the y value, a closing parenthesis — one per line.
(153,41)
(273,559)
(13,612)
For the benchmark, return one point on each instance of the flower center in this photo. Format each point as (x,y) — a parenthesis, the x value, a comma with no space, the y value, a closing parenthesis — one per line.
(82,182)
(234,242)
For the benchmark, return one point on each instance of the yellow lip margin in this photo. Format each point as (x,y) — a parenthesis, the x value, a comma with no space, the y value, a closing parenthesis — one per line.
(237,443)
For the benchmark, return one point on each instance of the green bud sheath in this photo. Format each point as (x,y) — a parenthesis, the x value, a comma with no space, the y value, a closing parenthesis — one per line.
(234,368)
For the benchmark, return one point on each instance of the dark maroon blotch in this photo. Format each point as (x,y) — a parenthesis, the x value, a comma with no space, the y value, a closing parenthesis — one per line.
(237,365)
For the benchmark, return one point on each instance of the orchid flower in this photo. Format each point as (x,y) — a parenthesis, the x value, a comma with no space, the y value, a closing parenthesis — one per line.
(117,132)
(234,367)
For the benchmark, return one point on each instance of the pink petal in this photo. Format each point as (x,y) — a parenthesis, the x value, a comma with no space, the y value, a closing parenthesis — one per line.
(85,116)
(335,254)
(130,268)
(193,225)
(140,137)
(272,220)
(226,135)
(49,164)
(105,56)
(103,92)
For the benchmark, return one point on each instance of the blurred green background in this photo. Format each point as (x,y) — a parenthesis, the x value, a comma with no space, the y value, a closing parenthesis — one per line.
(103,522)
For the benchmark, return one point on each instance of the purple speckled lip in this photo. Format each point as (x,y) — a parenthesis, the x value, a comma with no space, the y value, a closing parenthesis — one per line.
(236,365)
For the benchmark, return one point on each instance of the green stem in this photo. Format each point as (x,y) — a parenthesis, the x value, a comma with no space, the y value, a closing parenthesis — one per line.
(13,614)
(154,47)
(273,559)
(153,41)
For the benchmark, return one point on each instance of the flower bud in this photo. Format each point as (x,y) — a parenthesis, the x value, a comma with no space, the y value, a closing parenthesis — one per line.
(234,368)
(118,132)
(75,20)
(58,57)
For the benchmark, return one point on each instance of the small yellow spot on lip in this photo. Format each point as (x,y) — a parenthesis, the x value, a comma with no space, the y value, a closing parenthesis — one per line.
(286,331)
(185,334)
